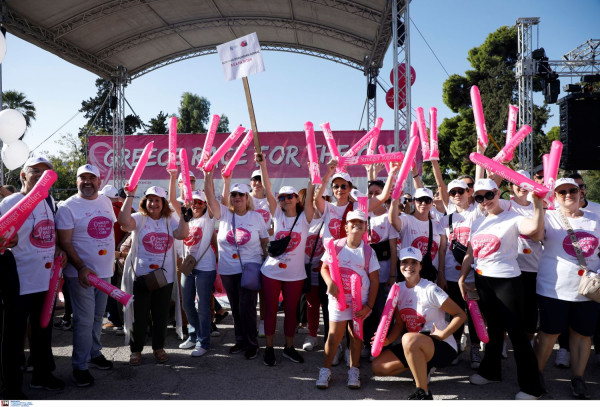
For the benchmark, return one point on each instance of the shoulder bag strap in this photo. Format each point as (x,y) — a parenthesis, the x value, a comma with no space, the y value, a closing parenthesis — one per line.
(294,224)
(235,241)
(574,241)
(430,240)
(316,242)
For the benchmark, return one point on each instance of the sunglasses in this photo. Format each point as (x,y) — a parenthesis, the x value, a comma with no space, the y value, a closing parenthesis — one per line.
(489,195)
(582,186)
(537,176)
(458,191)
(236,194)
(405,200)
(564,192)
(470,184)
(287,196)
(343,187)
(199,201)
(258,179)
(424,199)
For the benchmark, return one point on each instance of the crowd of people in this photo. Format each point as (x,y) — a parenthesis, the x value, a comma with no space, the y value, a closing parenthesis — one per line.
(318,251)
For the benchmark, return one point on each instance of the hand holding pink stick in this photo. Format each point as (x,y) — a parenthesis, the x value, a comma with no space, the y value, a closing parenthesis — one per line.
(172,163)
(238,154)
(482,136)
(124,298)
(434,152)
(506,154)
(315,174)
(223,148)
(209,140)
(139,167)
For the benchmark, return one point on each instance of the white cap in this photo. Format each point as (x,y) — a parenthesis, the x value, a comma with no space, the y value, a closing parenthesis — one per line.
(356,215)
(410,253)
(243,188)
(457,183)
(524,173)
(38,160)
(563,181)
(180,178)
(158,191)
(288,190)
(256,173)
(485,184)
(199,195)
(88,168)
(343,175)
(109,191)
(421,192)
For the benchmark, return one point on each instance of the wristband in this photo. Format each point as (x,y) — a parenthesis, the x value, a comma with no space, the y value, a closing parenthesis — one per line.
(415,176)
(130,196)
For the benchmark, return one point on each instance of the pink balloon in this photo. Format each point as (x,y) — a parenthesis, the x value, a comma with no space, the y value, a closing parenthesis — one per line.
(315,173)
(238,154)
(124,298)
(172,163)
(371,159)
(48,306)
(407,163)
(387,164)
(478,321)
(210,138)
(334,271)
(386,320)
(356,287)
(139,167)
(373,142)
(223,148)
(423,133)
(513,112)
(185,175)
(506,153)
(434,152)
(482,136)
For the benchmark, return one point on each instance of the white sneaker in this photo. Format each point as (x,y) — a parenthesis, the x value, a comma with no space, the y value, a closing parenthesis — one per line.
(353,378)
(199,351)
(480,380)
(261,329)
(505,350)
(338,356)
(347,357)
(525,396)
(309,342)
(324,377)
(188,344)
(563,358)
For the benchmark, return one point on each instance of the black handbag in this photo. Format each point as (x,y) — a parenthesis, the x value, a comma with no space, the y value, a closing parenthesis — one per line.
(428,271)
(458,249)
(277,247)
(381,249)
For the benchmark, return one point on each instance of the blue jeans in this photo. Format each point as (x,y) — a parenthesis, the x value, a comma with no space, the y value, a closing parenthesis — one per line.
(88,309)
(198,283)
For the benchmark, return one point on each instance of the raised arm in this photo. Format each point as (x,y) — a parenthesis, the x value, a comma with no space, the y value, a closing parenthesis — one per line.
(209,191)
(380,199)
(393,215)
(226,186)
(125,220)
(173,192)
(534,227)
(183,229)
(266,181)
(439,180)
(319,200)
(309,210)
(479,170)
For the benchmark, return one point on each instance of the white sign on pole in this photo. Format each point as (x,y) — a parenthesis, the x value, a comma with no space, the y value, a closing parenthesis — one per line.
(241,57)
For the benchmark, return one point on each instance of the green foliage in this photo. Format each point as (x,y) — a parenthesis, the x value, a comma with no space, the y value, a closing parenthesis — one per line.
(65,165)
(158,124)
(223,124)
(11,99)
(194,113)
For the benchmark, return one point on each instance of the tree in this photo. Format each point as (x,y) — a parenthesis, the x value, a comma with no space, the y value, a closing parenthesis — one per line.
(194,114)
(65,163)
(11,99)
(158,124)
(223,124)
(493,64)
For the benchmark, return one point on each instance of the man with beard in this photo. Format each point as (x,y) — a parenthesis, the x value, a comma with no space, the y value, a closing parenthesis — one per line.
(85,232)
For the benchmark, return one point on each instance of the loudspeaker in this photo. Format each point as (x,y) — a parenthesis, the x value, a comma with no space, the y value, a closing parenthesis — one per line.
(580,131)
(371,91)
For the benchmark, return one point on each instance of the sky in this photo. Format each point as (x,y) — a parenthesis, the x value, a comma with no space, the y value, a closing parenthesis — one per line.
(298,88)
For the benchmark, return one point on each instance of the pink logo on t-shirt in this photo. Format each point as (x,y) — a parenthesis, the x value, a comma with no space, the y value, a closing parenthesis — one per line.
(310,242)
(587,242)
(265,214)
(524,237)
(335,228)
(485,245)
(413,320)
(294,241)
(100,227)
(242,237)
(422,242)
(43,235)
(461,234)
(374,237)
(346,280)
(157,242)
(194,237)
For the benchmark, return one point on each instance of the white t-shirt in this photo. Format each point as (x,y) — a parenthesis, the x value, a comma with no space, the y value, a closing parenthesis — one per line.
(261,205)
(93,236)
(290,265)
(382,230)
(558,275)
(592,207)
(333,220)
(34,253)
(420,308)
(351,261)
(494,239)
(461,226)
(530,251)
(250,229)
(415,233)
(198,240)
(313,232)
(154,244)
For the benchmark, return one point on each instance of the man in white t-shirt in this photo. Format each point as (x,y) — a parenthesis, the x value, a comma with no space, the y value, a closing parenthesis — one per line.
(85,232)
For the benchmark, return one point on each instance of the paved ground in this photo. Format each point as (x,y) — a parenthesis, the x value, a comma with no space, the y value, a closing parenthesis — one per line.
(218,375)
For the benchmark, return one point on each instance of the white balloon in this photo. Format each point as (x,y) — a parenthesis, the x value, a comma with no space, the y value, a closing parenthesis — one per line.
(12,125)
(2,47)
(14,154)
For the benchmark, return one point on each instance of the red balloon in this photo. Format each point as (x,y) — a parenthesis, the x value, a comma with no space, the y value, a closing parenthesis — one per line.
(389,98)
(402,75)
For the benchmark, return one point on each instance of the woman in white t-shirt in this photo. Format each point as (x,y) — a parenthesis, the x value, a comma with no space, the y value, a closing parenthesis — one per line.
(286,273)
(493,248)
(242,239)
(421,311)
(561,306)
(154,229)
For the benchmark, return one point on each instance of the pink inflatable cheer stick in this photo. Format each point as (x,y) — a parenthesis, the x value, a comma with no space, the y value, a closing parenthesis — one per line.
(331,144)
(185,175)
(545,163)
(506,154)
(386,320)
(315,173)
(407,163)
(371,134)
(238,154)
(223,148)
(387,164)
(210,138)
(356,287)
(370,159)
(172,164)
(423,133)
(434,152)
(139,167)
(482,136)
(51,293)
(12,220)
(334,271)
(373,142)
(553,163)
(480,328)
(513,112)
(511,176)
(124,298)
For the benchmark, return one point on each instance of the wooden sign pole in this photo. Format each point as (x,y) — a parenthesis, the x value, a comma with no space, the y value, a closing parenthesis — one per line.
(252,117)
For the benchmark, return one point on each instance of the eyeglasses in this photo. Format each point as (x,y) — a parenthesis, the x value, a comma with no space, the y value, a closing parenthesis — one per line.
(489,195)
(582,186)
(424,199)
(564,192)
(470,184)
(287,196)
(236,194)
(405,200)
(458,191)
(537,176)
(343,187)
